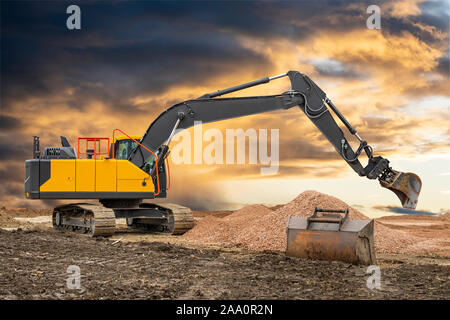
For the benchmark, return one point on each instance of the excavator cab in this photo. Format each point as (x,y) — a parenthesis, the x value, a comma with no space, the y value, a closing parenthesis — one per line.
(122,147)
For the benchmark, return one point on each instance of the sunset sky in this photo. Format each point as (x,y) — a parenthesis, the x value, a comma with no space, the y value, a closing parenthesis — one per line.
(132,60)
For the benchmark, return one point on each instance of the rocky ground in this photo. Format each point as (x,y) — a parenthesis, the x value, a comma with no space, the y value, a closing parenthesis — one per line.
(34,263)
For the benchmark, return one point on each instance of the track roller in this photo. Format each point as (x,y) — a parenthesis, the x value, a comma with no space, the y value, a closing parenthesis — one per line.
(85,218)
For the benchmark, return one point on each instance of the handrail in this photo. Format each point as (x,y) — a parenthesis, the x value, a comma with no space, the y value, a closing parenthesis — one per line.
(156,158)
(168,173)
(95,153)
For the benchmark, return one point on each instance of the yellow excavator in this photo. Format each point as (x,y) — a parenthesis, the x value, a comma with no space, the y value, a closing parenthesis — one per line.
(132,169)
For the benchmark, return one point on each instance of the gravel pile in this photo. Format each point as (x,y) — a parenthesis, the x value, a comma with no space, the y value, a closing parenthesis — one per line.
(257,227)
(226,229)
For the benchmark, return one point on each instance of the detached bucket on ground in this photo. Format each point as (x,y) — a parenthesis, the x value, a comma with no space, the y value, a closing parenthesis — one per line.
(331,237)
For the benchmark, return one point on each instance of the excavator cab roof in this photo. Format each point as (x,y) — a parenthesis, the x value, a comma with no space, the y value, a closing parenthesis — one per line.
(123,146)
(126,138)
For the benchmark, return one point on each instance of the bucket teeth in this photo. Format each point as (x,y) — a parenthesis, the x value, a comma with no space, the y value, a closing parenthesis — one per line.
(406,186)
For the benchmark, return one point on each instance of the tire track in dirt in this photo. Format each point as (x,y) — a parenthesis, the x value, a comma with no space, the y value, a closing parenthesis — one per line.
(33,266)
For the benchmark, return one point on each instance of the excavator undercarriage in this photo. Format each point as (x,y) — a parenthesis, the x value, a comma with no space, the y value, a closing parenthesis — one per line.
(95,220)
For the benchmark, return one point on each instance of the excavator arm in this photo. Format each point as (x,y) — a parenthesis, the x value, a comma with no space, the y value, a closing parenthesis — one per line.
(305,94)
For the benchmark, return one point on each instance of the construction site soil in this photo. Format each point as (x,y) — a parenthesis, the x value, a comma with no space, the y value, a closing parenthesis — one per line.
(221,258)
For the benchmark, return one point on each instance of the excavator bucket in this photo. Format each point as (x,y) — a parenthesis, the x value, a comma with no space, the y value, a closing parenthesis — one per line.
(331,237)
(406,186)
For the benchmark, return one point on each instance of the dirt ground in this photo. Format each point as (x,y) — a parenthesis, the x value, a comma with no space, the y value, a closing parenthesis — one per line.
(433,232)
(130,265)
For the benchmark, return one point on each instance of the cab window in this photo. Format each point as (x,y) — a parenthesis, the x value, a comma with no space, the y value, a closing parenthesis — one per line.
(123,148)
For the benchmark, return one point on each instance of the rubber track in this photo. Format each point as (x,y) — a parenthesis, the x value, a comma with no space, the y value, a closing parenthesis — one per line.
(103,220)
(182,216)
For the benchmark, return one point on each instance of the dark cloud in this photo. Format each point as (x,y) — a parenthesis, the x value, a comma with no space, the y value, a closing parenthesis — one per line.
(11,149)
(11,171)
(261,19)
(334,68)
(12,190)
(401,210)
(12,178)
(414,25)
(435,13)
(130,48)
(117,55)
(444,66)
(9,123)
(298,148)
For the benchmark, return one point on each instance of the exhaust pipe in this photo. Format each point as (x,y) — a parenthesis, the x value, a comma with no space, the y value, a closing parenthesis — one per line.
(36,149)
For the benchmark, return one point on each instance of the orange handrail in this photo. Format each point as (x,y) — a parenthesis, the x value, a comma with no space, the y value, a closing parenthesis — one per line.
(95,153)
(168,173)
(156,158)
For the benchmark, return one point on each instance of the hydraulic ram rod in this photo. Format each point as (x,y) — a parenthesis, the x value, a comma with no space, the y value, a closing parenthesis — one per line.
(340,116)
(241,86)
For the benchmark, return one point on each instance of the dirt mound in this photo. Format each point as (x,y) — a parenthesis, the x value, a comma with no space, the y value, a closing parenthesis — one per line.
(216,229)
(303,205)
(445,216)
(388,240)
(23,212)
(269,232)
(257,227)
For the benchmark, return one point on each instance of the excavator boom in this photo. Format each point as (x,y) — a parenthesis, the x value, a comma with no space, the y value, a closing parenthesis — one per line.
(305,94)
